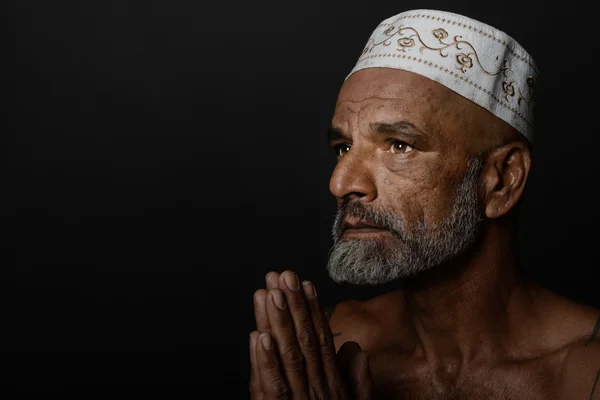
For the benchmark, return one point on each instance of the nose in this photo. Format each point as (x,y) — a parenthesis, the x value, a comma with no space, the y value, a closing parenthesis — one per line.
(353,177)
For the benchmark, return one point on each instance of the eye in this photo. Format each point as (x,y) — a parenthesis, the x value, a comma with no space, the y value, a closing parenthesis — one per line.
(341,149)
(399,147)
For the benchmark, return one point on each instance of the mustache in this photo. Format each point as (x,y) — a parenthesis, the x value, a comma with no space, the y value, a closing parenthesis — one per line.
(358,210)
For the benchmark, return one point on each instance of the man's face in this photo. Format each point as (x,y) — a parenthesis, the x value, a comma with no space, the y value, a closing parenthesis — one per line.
(406,183)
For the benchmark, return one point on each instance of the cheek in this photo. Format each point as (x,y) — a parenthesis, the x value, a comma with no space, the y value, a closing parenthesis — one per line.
(417,191)
(398,164)
(401,196)
(437,203)
(418,172)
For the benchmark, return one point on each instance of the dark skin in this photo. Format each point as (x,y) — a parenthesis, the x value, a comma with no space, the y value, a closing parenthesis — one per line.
(468,329)
(292,351)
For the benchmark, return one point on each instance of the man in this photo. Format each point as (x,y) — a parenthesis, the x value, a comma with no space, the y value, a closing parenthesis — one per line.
(433,131)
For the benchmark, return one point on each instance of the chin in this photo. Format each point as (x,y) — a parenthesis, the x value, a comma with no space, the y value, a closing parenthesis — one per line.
(371,261)
(366,234)
(384,241)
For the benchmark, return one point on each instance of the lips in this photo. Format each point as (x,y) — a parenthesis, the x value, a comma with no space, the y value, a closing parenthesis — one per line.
(360,226)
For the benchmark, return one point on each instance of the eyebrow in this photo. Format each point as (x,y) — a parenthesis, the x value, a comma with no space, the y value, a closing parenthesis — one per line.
(398,127)
(334,134)
(386,128)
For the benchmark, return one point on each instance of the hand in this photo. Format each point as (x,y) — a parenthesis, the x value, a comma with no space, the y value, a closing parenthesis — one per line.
(292,352)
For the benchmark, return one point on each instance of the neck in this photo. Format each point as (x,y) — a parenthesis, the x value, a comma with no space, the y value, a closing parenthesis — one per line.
(461,309)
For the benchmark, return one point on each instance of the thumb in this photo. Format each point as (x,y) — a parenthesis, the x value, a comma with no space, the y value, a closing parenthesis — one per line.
(361,382)
(353,364)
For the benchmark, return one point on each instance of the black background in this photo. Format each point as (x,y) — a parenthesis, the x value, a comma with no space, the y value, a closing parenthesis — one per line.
(160,157)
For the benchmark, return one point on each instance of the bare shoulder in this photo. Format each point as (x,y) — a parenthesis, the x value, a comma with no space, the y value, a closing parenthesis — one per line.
(559,322)
(581,371)
(566,336)
(581,366)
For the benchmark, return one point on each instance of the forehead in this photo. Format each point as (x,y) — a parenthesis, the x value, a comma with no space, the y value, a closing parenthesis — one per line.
(390,84)
(379,94)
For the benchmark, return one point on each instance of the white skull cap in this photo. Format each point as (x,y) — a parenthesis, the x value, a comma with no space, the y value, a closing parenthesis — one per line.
(477,61)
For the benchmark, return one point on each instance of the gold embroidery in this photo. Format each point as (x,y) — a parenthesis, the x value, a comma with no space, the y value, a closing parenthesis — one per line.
(509,89)
(404,43)
(531,86)
(494,97)
(465,60)
(480,31)
(439,34)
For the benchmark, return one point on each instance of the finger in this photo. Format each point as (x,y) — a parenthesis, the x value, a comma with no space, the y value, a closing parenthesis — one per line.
(271,375)
(354,367)
(360,377)
(304,332)
(272,280)
(260,311)
(324,339)
(256,392)
(284,334)
(345,357)
(260,303)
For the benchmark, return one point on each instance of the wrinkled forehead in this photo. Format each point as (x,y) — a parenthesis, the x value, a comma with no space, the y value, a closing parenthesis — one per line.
(376,92)
(380,94)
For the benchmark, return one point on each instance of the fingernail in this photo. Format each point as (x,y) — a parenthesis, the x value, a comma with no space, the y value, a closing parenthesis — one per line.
(257,297)
(309,290)
(269,279)
(278,299)
(265,339)
(291,280)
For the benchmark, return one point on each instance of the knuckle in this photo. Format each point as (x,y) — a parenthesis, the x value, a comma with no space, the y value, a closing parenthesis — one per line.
(319,393)
(292,357)
(296,303)
(255,391)
(278,389)
(338,393)
(306,336)
(271,364)
(327,348)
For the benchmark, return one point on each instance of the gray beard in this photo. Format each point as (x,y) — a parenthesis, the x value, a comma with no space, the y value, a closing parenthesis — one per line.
(411,251)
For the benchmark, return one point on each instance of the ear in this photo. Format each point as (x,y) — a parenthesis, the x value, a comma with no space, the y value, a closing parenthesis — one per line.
(504,178)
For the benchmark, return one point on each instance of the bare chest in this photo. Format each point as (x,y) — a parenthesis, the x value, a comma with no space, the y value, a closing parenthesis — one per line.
(404,379)
(399,376)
